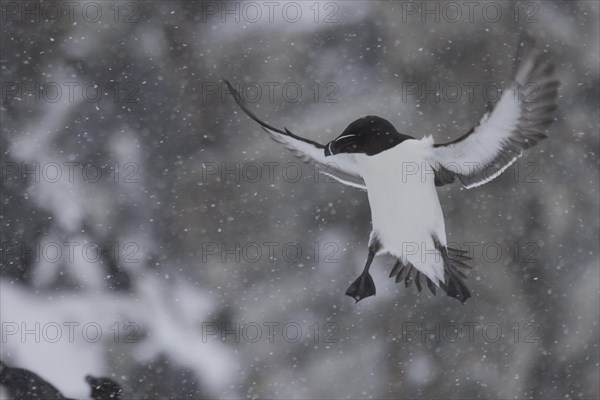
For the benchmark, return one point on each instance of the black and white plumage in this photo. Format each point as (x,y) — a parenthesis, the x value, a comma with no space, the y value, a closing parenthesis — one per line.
(344,168)
(400,174)
(516,123)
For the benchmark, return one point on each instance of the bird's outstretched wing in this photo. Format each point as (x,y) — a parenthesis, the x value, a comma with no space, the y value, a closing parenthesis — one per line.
(517,122)
(341,167)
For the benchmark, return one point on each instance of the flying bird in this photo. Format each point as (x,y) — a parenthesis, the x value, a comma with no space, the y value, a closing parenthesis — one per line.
(400,173)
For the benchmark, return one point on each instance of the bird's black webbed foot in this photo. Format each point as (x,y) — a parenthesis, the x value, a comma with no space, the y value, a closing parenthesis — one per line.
(362,287)
(456,288)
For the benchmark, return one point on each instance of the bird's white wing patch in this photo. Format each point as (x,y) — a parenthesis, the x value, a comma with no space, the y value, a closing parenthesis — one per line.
(341,167)
(517,122)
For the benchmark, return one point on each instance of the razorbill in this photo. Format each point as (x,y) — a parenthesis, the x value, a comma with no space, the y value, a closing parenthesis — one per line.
(400,173)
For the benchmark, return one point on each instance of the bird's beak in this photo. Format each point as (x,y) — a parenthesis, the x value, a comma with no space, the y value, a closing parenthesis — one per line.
(339,145)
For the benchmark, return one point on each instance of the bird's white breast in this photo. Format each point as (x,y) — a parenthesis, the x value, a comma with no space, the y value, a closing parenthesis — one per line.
(405,208)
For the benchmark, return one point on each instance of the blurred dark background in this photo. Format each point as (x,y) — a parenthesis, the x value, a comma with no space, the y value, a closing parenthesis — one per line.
(131,205)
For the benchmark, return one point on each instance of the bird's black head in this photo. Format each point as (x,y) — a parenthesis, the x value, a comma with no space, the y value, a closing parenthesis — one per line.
(104,388)
(368,135)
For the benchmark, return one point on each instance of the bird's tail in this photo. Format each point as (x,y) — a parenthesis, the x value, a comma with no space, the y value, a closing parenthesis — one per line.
(454,285)
(407,273)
